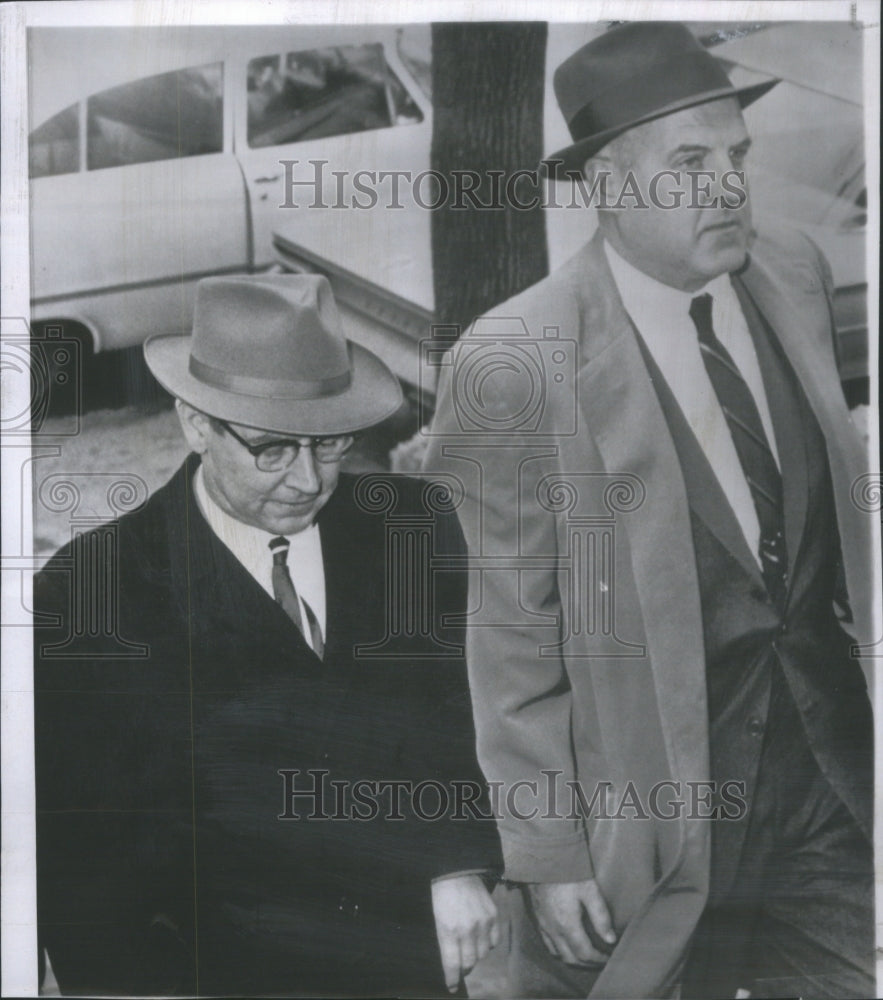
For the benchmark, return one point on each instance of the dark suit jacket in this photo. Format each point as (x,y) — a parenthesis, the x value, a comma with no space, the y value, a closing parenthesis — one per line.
(163,865)
(596,671)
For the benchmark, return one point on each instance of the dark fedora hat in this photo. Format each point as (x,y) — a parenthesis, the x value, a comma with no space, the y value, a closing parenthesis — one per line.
(270,352)
(632,74)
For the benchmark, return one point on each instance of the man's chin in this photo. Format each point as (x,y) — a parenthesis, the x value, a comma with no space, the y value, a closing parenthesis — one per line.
(726,260)
(291,525)
(289,519)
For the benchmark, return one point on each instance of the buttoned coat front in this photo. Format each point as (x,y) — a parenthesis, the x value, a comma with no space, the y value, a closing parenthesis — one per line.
(172,856)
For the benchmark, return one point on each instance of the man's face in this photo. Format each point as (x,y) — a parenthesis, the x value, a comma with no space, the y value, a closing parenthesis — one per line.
(684,246)
(281,503)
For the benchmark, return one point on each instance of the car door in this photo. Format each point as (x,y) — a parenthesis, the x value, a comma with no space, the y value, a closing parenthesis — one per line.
(151,201)
(322,123)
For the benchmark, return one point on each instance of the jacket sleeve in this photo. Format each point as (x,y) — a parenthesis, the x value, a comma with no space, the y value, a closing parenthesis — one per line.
(522,700)
(454,827)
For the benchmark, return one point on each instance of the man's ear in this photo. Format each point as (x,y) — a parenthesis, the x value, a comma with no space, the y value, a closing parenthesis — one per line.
(196,426)
(600,163)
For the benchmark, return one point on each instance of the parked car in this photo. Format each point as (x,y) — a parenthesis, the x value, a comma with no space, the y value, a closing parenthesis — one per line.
(174,153)
(155,160)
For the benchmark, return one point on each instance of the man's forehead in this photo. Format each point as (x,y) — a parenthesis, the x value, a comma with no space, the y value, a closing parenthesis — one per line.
(710,120)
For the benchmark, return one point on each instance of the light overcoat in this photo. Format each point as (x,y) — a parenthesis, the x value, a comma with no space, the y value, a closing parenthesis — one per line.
(585,649)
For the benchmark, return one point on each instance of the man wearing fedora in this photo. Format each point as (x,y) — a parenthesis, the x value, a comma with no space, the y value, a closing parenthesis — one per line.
(201,828)
(706,661)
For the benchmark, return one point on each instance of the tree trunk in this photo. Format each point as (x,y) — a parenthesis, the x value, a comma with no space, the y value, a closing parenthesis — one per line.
(488,119)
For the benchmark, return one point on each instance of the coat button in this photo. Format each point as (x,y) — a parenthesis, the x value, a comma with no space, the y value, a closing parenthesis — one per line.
(755,726)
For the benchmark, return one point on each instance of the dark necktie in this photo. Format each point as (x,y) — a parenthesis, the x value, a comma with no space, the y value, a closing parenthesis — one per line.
(286,595)
(752,447)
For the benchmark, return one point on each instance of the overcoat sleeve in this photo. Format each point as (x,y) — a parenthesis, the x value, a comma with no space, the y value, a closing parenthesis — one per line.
(522,700)
(466,839)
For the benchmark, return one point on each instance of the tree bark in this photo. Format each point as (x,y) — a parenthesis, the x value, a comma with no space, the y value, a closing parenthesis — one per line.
(488,82)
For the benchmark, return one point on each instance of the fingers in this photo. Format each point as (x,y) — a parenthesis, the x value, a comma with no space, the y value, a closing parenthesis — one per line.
(468,953)
(495,930)
(477,940)
(450,956)
(462,948)
(466,926)
(548,942)
(566,914)
(571,944)
(599,913)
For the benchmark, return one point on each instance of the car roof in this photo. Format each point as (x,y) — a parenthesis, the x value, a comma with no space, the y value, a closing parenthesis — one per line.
(70,64)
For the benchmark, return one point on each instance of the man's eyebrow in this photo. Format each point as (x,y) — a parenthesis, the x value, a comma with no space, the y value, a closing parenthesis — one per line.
(687,147)
(697,147)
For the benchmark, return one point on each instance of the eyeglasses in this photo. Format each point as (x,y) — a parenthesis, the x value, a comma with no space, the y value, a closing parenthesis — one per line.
(273,456)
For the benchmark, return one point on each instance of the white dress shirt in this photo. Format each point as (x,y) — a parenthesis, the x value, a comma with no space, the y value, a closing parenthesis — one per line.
(662,316)
(251,546)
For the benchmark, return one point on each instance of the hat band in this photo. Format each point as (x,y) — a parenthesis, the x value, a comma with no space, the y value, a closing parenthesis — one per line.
(645,95)
(269,388)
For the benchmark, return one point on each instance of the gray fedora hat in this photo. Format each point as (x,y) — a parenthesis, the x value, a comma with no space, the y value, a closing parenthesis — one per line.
(270,352)
(632,74)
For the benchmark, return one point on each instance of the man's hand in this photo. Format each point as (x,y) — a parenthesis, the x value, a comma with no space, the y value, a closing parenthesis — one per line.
(465,923)
(559,908)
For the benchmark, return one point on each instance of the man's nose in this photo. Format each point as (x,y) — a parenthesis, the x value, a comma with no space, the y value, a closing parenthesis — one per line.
(728,186)
(302,474)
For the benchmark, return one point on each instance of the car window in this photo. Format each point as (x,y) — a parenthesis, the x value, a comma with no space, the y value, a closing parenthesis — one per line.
(158,118)
(324,92)
(54,147)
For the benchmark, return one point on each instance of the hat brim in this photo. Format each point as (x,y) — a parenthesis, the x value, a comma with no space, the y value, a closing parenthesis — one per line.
(373,394)
(561,166)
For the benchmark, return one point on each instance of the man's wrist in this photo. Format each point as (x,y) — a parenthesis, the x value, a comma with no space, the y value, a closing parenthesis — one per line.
(487,875)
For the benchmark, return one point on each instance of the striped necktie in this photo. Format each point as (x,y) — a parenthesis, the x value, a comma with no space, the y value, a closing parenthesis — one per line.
(286,595)
(752,447)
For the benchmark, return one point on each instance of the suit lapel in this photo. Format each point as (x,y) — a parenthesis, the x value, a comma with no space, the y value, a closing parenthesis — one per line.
(340,579)
(220,595)
(353,557)
(791,299)
(626,421)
